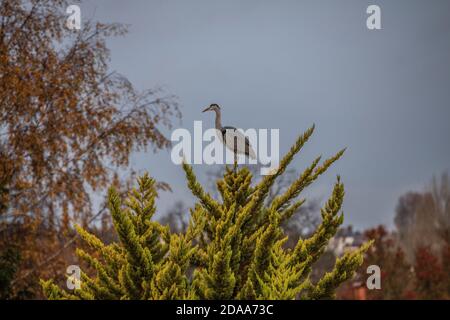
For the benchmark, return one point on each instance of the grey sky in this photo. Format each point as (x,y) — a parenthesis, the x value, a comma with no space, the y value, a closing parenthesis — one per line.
(287,64)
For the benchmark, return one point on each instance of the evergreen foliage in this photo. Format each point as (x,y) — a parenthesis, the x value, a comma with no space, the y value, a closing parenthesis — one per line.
(232,249)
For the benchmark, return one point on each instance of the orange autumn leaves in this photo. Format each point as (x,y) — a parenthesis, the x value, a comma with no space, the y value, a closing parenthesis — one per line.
(68,122)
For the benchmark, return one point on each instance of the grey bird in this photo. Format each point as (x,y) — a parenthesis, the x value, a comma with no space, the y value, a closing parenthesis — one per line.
(233,139)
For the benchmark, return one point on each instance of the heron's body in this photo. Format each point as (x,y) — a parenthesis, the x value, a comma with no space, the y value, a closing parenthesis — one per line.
(233,139)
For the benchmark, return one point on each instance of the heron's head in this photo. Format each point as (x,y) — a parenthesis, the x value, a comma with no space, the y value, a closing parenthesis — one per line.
(213,107)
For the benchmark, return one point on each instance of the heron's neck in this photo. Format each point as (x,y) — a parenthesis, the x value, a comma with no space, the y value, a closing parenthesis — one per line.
(218,120)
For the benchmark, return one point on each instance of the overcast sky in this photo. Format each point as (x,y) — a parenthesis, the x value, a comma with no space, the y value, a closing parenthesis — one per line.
(384,94)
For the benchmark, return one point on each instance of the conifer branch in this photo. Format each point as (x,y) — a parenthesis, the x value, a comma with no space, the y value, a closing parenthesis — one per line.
(205,199)
(344,269)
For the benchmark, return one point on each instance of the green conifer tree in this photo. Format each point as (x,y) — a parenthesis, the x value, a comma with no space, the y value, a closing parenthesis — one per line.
(232,249)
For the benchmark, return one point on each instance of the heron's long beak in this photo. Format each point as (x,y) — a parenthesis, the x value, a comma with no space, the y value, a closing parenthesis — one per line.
(207,109)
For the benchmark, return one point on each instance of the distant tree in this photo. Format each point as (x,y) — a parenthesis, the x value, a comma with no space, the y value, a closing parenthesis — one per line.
(431,280)
(396,274)
(446,268)
(405,220)
(177,218)
(423,219)
(440,191)
(414,260)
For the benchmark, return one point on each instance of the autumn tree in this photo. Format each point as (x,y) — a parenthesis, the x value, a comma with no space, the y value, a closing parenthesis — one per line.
(446,268)
(431,281)
(68,123)
(415,258)
(396,273)
(233,245)
(423,218)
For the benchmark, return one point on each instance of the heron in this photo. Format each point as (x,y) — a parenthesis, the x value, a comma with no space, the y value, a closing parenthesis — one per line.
(233,139)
